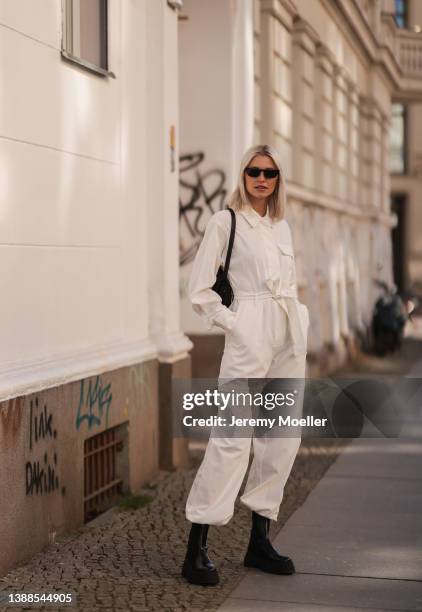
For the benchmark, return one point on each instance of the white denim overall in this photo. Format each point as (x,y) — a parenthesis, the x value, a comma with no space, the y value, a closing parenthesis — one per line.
(266,336)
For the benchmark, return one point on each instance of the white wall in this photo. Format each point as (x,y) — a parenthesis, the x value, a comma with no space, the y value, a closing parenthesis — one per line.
(74,197)
(216,116)
(162,182)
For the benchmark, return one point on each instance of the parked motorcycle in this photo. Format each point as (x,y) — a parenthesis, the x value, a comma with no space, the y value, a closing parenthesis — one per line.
(388,319)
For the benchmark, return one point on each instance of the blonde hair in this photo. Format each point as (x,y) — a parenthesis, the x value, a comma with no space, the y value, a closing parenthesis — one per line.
(277,200)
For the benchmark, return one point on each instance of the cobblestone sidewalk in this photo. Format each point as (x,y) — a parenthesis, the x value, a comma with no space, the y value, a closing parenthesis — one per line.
(131,560)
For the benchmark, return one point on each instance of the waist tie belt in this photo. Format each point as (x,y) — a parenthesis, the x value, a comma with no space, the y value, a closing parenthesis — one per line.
(291,306)
(260,295)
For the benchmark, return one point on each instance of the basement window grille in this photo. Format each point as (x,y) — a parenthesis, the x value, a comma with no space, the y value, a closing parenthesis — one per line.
(102,482)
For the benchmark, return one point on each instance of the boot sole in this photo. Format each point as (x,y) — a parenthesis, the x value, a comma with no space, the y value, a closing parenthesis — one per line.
(200,578)
(271,567)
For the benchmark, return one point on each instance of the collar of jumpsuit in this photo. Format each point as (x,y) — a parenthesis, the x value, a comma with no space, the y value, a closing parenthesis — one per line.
(254,218)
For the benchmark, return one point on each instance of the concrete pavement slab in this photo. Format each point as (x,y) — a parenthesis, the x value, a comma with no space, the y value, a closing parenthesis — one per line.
(360,501)
(241,605)
(335,591)
(394,458)
(346,551)
(363,489)
(357,540)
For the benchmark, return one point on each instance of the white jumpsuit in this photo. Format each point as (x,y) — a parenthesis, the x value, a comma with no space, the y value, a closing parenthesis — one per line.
(265,337)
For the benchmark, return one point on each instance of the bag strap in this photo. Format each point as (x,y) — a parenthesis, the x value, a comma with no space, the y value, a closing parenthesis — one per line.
(231,240)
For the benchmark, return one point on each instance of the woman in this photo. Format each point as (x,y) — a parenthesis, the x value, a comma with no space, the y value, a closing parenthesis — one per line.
(265,337)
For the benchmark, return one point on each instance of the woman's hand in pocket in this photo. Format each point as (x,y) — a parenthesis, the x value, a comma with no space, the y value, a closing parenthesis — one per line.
(232,335)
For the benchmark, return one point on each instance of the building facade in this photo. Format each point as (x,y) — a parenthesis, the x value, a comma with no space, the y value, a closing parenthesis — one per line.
(324,76)
(406,159)
(90,321)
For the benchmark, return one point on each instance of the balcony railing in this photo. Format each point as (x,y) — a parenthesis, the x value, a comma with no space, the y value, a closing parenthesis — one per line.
(410,53)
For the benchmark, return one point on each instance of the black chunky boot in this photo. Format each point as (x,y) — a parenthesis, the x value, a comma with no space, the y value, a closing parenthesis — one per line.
(198,567)
(261,554)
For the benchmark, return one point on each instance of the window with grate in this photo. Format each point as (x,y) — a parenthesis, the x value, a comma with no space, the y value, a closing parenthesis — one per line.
(103,474)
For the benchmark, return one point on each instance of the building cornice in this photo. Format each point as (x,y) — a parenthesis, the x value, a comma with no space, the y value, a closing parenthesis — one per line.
(378,44)
(172,347)
(341,78)
(31,376)
(283,10)
(312,197)
(358,25)
(353,92)
(325,58)
(370,107)
(374,46)
(304,35)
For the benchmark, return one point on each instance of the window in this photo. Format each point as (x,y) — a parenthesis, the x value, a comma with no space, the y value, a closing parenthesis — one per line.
(398,139)
(400,13)
(85,33)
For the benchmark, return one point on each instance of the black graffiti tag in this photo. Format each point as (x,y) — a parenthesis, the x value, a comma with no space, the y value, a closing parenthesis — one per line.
(40,424)
(201,195)
(41,477)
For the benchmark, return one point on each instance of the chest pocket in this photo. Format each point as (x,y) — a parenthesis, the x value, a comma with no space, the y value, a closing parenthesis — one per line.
(287,264)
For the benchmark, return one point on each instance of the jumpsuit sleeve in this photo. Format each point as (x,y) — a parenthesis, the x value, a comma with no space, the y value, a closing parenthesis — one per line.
(206,302)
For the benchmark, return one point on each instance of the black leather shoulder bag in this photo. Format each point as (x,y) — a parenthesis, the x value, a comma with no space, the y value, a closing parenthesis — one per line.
(222,285)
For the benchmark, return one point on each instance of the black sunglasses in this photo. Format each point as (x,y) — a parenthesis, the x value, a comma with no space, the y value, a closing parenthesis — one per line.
(254,172)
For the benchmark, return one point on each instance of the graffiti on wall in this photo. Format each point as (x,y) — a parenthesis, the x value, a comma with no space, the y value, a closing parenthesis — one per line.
(41,475)
(40,423)
(94,402)
(202,193)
